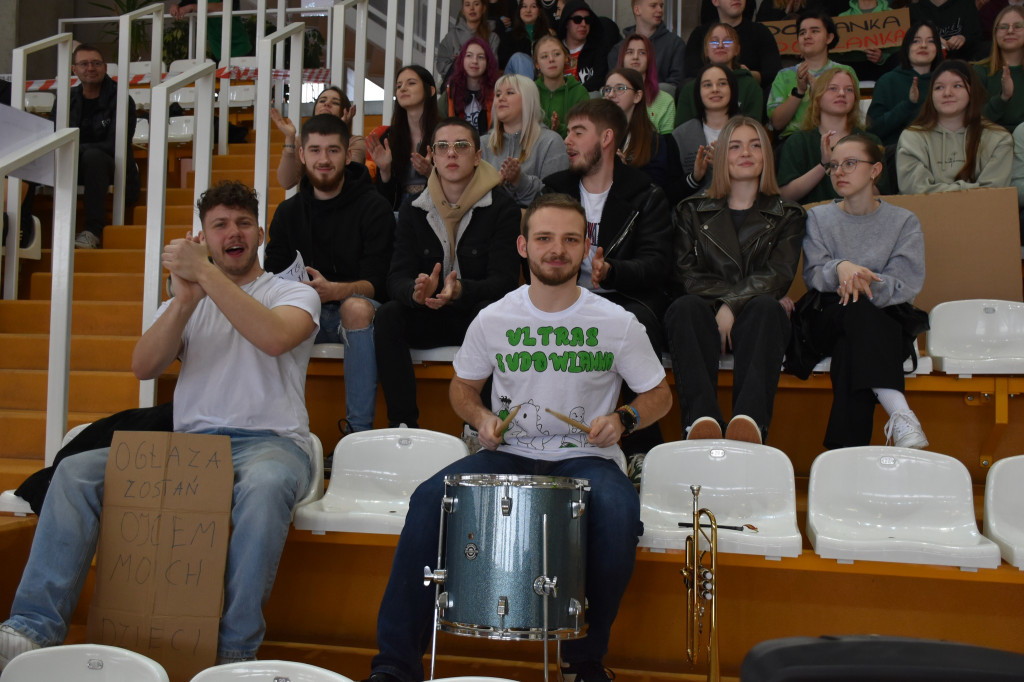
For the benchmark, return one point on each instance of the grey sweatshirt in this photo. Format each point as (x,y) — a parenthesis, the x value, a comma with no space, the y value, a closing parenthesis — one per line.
(547,156)
(451,45)
(889,242)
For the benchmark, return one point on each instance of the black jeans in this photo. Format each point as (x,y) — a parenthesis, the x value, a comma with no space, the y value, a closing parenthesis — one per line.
(760,335)
(96,175)
(397,328)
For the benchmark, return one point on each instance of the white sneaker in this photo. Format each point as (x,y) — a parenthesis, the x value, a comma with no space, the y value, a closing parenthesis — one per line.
(904,431)
(87,240)
(13,643)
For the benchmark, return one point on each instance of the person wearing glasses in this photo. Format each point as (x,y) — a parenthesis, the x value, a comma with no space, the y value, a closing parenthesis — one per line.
(736,252)
(722,49)
(833,114)
(863,266)
(583,33)
(1001,74)
(758,50)
(93,110)
(454,253)
(636,52)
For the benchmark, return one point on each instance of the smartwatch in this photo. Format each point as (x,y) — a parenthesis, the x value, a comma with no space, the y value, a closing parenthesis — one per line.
(629,418)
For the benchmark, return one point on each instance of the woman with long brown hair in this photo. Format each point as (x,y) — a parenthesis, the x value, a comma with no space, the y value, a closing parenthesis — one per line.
(951,146)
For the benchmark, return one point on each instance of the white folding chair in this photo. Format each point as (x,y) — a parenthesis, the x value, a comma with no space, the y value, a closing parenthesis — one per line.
(1004,508)
(81,663)
(268,671)
(39,102)
(980,336)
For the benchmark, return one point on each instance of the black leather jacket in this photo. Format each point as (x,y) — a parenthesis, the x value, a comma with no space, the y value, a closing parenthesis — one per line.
(711,262)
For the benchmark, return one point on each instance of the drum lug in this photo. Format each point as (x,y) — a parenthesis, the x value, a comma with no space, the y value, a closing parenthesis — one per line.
(502,611)
(506,503)
(448,503)
(545,586)
(444,601)
(430,576)
(574,608)
(578,508)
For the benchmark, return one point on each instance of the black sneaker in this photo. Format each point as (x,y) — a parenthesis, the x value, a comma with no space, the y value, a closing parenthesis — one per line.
(587,671)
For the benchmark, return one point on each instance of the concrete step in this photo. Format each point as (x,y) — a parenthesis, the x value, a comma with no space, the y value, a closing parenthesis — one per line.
(25,438)
(92,286)
(106,392)
(116,318)
(99,352)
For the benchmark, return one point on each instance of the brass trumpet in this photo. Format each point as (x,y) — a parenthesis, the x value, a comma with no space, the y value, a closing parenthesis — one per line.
(700,576)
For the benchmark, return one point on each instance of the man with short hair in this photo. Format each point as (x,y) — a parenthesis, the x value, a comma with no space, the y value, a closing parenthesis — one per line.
(669,49)
(758,50)
(586,39)
(454,254)
(243,337)
(544,316)
(343,229)
(628,226)
(93,110)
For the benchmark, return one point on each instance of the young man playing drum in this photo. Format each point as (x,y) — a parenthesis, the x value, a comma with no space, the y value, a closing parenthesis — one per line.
(551,347)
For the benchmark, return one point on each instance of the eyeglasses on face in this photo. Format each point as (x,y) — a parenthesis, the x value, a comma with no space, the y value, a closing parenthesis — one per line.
(1016,26)
(848,166)
(720,43)
(615,89)
(460,146)
(94,64)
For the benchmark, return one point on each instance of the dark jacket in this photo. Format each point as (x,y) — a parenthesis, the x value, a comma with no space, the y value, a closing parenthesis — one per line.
(593,58)
(635,233)
(486,249)
(711,262)
(359,244)
(758,49)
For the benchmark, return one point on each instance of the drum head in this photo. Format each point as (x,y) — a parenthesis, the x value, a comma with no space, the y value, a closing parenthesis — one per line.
(516,480)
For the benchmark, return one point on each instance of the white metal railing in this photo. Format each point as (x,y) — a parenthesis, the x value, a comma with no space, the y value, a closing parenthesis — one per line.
(337,40)
(124,55)
(295,34)
(19,60)
(64,145)
(203,75)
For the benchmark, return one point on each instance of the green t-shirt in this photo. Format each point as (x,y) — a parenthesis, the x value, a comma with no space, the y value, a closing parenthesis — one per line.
(784,83)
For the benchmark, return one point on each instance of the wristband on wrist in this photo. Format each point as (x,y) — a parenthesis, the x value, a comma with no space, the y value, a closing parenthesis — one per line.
(796,93)
(629,417)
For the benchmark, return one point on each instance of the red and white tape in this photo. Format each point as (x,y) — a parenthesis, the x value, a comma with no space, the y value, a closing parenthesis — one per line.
(320,75)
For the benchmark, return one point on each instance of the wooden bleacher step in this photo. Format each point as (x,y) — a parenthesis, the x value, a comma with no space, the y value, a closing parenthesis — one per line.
(26,434)
(88,353)
(106,392)
(118,318)
(92,286)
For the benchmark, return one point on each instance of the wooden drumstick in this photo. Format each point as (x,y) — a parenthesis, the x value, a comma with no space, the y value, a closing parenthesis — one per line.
(568,420)
(508,420)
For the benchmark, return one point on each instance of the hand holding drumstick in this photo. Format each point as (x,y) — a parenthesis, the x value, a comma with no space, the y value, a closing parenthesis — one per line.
(491,438)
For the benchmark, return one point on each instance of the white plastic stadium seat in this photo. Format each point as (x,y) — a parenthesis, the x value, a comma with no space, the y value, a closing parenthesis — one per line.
(316,481)
(141,136)
(336,351)
(180,129)
(268,671)
(373,476)
(878,503)
(741,483)
(142,98)
(142,68)
(242,96)
(186,97)
(39,102)
(82,663)
(1004,508)
(183,65)
(978,336)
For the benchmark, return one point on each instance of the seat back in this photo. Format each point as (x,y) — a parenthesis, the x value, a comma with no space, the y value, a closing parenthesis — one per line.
(39,102)
(81,663)
(143,67)
(142,97)
(741,483)
(269,671)
(1004,508)
(180,129)
(141,136)
(895,504)
(978,336)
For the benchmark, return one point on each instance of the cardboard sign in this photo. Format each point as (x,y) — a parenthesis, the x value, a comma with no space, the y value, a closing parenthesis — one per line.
(163,548)
(855,32)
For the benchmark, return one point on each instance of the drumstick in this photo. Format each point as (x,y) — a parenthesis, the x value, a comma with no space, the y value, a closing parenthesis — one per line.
(508,420)
(568,420)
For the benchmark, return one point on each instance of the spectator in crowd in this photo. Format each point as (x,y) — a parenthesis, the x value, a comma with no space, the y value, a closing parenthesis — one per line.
(715,103)
(899,94)
(558,92)
(471,22)
(583,33)
(789,101)
(636,52)
(469,92)
(722,48)
(401,150)
(951,146)
(1001,74)
(342,229)
(521,149)
(93,110)
(331,101)
(553,8)
(665,49)
(987,13)
(454,254)
(627,226)
(515,53)
(871,63)
(863,266)
(759,53)
(553,243)
(958,22)
(243,337)
(834,113)
(241,44)
(736,254)
(644,147)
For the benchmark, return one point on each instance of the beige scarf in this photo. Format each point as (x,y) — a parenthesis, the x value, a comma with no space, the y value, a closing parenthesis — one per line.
(484,180)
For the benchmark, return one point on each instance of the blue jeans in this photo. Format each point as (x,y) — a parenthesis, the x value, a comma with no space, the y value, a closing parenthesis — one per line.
(360,364)
(613,527)
(271,474)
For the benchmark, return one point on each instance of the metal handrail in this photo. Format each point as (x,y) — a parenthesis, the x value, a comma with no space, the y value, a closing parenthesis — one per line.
(64,144)
(156,195)
(19,61)
(337,40)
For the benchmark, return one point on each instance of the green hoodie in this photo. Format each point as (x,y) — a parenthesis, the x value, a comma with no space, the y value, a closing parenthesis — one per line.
(858,56)
(560,101)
